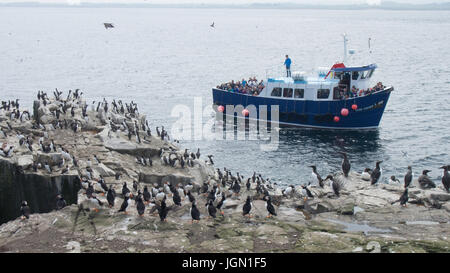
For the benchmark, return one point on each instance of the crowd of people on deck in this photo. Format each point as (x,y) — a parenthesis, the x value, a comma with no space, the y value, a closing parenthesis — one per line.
(250,87)
(355,92)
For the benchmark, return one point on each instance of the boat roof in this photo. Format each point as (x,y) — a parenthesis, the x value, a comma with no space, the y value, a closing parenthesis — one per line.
(355,68)
(322,78)
(308,80)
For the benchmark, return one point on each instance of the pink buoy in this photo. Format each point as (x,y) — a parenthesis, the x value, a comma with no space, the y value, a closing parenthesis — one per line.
(344,112)
(245,112)
(336,119)
(221,108)
(354,106)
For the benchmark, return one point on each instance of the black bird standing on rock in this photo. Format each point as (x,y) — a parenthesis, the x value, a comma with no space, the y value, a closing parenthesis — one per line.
(236,187)
(446,178)
(60,202)
(25,210)
(123,207)
(176,198)
(195,213)
(140,206)
(103,184)
(211,209)
(191,197)
(221,202)
(345,165)
(146,195)
(211,195)
(89,190)
(425,181)
(376,173)
(403,198)
(163,210)
(270,207)
(408,177)
(316,176)
(204,188)
(247,207)
(198,153)
(111,196)
(335,185)
(125,189)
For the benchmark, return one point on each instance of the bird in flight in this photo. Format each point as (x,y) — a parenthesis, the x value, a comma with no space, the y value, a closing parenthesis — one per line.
(108,25)
(212,25)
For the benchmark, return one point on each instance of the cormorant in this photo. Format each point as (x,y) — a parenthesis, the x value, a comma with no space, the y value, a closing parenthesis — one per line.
(345,165)
(425,181)
(446,178)
(408,177)
(403,198)
(335,185)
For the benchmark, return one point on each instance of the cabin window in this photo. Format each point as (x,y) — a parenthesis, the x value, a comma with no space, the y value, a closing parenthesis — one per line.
(276,92)
(287,92)
(338,75)
(370,73)
(323,93)
(355,75)
(364,74)
(299,93)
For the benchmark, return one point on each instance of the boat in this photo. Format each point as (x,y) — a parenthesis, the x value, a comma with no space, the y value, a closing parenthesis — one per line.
(341,97)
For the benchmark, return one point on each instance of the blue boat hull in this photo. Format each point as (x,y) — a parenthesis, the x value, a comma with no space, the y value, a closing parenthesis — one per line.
(315,114)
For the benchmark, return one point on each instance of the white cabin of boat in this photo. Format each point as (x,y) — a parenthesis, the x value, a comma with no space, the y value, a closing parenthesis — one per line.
(324,86)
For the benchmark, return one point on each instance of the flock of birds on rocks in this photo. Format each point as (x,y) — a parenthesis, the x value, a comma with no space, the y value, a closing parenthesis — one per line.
(217,190)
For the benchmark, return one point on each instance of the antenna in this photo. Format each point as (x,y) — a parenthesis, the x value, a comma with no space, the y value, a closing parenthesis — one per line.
(370,51)
(345,47)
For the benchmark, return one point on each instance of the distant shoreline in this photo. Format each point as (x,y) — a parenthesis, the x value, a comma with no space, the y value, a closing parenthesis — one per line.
(384,6)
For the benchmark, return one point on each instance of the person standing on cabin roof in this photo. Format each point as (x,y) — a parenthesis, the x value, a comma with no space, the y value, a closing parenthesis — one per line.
(287,63)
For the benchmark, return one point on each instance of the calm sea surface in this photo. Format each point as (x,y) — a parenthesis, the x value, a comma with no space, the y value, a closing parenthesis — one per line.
(161,58)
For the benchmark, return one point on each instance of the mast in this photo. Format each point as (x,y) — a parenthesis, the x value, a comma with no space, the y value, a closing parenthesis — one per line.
(345,47)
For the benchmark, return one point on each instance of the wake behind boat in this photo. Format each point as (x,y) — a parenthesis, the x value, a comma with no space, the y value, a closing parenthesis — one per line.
(340,98)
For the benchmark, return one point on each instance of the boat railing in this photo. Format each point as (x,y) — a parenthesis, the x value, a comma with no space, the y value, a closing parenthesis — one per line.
(277,71)
(385,89)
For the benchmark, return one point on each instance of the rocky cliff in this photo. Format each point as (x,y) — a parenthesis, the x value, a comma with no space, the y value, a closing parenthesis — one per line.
(100,142)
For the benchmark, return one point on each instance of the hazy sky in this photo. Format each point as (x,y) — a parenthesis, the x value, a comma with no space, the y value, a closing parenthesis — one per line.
(229,1)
